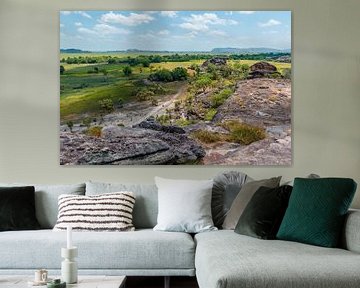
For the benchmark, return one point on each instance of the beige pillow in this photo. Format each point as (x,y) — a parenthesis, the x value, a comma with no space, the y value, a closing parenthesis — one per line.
(243,198)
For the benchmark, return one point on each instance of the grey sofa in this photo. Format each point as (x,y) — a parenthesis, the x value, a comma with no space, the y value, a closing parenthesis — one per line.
(219,259)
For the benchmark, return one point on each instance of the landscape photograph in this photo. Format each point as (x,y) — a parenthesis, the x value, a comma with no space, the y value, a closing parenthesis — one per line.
(175,88)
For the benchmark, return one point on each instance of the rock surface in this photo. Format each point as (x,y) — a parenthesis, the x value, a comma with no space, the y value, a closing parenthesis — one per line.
(128,146)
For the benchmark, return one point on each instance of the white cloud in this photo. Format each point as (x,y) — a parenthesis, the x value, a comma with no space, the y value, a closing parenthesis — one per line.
(194,26)
(133,19)
(78,24)
(271,22)
(192,34)
(86,31)
(82,13)
(108,29)
(246,12)
(164,32)
(103,30)
(62,25)
(171,14)
(217,33)
(201,22)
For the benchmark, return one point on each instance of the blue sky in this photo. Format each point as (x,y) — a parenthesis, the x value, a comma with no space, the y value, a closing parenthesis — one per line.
(174,30)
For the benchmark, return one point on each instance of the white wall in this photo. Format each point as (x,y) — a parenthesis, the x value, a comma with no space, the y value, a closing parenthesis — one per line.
(326,90)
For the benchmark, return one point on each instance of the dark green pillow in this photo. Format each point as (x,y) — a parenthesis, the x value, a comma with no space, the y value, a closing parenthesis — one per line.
(263,214)
(17,208)
(316,211)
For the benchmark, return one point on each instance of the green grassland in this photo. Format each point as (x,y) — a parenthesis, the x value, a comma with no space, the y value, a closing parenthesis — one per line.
(81,87)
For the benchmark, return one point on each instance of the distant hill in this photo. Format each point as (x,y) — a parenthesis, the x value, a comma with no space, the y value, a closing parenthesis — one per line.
(230,50)
(73,51)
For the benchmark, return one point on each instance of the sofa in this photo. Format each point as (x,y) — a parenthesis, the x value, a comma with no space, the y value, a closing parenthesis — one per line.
(218,259)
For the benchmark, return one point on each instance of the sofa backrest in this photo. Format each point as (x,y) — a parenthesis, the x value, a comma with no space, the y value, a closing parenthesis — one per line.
(46,200)
(146,203)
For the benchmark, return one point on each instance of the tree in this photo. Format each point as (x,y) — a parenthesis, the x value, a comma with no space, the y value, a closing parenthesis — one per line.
(145,62)
(179,73)
(127,71)
(62,69)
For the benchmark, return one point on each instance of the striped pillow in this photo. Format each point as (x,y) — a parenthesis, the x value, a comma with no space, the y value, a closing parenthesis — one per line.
(105,212)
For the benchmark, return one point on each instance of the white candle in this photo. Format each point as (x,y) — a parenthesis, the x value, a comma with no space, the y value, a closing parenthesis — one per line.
(69,237)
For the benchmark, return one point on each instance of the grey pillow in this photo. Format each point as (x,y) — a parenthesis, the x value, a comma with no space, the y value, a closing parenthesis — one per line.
(226,187)
(46,200)
(184,205)
(310,176)
(243,198)
(146,204)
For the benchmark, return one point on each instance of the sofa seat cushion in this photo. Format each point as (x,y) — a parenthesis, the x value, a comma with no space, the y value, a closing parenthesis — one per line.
(225,259)
(142,249)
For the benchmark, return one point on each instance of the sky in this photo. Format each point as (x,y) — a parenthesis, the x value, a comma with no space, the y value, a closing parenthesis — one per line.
(174,30)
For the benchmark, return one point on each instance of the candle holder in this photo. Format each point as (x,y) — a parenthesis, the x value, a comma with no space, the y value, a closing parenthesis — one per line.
(69,271)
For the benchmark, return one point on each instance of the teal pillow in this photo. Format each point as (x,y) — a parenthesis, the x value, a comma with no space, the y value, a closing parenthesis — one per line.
(316,211)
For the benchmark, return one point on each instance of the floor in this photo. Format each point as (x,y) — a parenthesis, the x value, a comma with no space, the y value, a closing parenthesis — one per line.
(158,282)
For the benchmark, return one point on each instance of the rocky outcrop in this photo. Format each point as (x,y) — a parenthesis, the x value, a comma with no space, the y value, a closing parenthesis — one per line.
(260,102)
(217,61)
(128,146)
(150,123)
(263,69)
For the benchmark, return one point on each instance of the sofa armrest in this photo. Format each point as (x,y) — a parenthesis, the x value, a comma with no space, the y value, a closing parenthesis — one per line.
(351,234)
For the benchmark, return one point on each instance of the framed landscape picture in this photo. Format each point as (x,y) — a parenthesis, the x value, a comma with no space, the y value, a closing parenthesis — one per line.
(175,88)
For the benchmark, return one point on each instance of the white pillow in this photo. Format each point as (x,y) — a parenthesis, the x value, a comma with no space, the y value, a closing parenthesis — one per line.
(184,205)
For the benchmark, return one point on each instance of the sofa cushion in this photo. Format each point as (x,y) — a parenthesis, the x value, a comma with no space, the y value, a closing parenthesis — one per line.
(46,200)
(146,205)
(17,208)
(317,210)
(225,259)
(226,187)
(263,215)
(105,212)
(184,205)
(243,198)
(143,249)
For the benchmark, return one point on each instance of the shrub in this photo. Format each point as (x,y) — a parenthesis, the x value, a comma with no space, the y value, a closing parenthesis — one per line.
(163,119)
(243,133)
(163,75)
(206,136)
(209,115)
(144,95)
(94,131)
(86,122)
(218,99)
(70,124)
(179,73)
(106,105)
(184,122)
(286,73)
(127,70)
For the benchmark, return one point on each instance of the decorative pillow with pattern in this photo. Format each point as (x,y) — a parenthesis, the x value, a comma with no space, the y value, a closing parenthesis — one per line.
(105,212)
